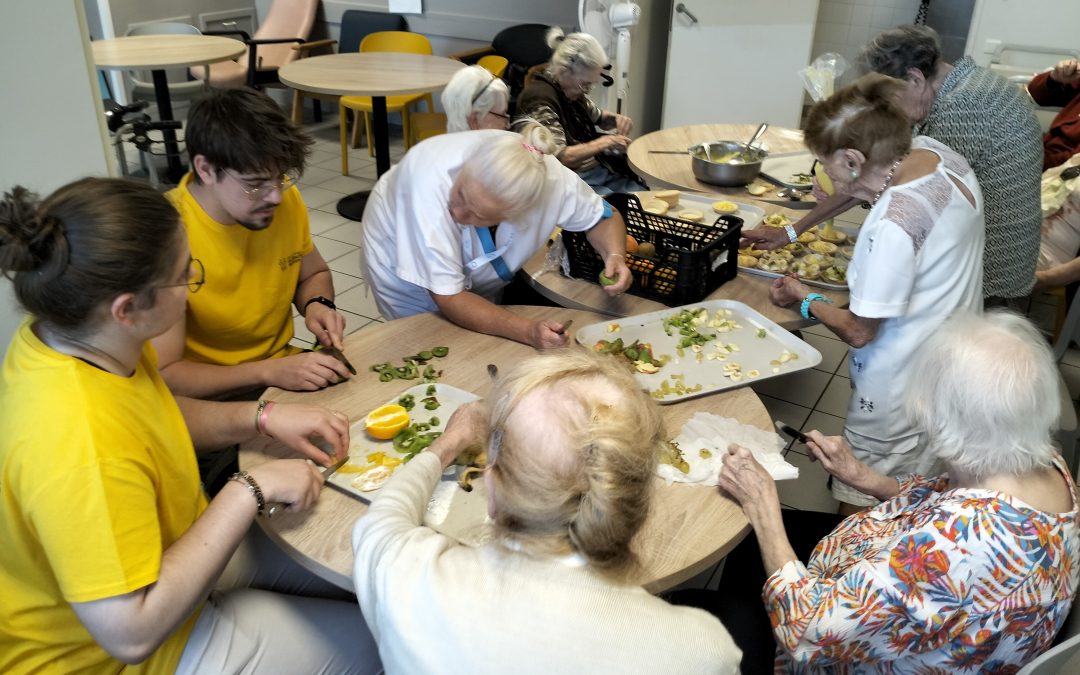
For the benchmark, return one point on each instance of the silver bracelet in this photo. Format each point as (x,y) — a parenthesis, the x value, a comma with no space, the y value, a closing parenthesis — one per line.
(791,234)
(245,479)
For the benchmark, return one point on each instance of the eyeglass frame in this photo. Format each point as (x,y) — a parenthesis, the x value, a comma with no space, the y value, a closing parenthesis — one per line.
(286,181)
(193,285)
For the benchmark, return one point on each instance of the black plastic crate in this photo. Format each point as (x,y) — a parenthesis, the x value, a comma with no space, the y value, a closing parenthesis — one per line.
(692,259)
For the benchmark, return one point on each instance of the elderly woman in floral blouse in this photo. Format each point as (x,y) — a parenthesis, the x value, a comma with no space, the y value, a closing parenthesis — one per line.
(972,571)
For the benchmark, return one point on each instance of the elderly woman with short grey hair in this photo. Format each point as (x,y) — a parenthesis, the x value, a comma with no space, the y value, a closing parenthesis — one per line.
(475,99)
(972,571)
(589,140)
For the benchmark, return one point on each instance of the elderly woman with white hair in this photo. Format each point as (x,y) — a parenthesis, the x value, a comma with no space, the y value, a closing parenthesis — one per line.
(475,99)
(572,444)
(447,228)
(972,571)
(589,140)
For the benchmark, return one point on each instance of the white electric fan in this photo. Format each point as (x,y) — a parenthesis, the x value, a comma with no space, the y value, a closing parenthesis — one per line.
(610,21)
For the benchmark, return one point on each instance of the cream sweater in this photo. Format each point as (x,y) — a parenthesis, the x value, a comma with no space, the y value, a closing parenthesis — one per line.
(436,606)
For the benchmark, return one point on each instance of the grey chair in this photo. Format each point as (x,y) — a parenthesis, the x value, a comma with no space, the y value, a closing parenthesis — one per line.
(181,86)
(1068,425)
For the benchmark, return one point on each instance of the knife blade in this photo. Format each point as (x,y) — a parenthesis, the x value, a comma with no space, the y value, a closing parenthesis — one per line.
(274,507)
(791,431)
(336,353)
(798,205)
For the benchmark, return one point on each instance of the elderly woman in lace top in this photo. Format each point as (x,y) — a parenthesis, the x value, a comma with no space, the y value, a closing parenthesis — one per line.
(972,571)
(918,258)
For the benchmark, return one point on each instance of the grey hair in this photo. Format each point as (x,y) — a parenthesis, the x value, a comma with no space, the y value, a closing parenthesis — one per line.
(896,51)
(466,84)
(511,169)
(576,50)
(985,388)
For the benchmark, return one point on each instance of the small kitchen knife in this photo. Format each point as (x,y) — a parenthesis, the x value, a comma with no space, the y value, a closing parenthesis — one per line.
(274,507)
(791,431)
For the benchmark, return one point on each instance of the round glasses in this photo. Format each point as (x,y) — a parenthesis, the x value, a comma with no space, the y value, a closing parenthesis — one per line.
(196,277)
(256,190)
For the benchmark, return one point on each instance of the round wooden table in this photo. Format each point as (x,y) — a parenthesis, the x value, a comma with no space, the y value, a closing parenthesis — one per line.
(158,53)
(689,529)
(674,171)
(374,74)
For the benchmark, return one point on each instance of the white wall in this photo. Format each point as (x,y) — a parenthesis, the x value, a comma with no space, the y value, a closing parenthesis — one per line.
(1045,23)
(53,131)
(845,26)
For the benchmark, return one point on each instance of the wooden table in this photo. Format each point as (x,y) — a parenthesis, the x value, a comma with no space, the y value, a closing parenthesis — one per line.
(158,53)
(374,74)
(674,171)
(689,528)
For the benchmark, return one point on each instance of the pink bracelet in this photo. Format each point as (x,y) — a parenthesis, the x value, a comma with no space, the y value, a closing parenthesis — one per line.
(263,415)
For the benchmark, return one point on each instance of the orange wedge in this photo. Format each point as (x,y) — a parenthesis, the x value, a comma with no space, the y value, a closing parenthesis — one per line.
(386,421)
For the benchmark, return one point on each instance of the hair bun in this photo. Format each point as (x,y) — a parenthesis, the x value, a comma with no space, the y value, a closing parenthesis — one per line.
(28,238)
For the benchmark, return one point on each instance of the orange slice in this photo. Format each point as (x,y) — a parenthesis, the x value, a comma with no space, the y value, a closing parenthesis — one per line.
(386,421)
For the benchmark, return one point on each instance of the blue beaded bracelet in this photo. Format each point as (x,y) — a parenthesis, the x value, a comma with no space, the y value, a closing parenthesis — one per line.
(804,309)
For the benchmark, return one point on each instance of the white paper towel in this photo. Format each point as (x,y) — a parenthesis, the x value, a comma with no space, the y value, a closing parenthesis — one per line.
(714,433)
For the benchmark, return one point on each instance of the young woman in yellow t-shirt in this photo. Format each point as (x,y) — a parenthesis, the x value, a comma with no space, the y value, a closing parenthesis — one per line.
(109,550)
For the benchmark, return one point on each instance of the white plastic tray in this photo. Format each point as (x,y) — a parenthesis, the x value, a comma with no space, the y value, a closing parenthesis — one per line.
(362,445)
(755,353)
(851,231)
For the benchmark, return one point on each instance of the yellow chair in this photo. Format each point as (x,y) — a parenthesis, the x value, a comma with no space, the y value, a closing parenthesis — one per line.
(428,124)
(383,41)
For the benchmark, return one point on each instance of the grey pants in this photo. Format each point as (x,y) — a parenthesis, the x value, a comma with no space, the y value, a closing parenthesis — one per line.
(268,614)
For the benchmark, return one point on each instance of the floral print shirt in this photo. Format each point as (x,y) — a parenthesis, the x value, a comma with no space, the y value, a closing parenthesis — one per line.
(935,580)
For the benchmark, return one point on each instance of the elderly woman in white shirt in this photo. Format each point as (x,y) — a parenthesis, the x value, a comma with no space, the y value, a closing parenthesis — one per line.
(572,445)
(475,99)
(447,228)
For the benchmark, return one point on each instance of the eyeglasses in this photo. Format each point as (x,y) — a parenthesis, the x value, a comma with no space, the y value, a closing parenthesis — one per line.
(196,277)
(265,187)
(504,116)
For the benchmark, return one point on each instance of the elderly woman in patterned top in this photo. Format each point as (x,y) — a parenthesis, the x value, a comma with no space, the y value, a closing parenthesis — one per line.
(972,571)
(918,258)
(988,121)
(589,140)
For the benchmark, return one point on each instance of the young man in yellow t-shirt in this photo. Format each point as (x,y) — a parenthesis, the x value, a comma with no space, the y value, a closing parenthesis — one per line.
(246,221)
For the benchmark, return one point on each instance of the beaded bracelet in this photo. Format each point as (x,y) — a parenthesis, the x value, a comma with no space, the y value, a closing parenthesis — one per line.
(804,309)
(264,415)
(258,414)
(245,479)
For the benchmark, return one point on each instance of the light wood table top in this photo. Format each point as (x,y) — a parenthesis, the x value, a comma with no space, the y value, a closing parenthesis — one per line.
(690,528)
(164,51)
(370,73)
(674,171)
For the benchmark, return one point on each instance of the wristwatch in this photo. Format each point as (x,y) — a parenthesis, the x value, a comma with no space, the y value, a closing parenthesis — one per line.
(322,301)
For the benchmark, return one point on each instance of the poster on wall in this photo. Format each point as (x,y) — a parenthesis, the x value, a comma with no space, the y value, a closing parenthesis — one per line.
(405,7)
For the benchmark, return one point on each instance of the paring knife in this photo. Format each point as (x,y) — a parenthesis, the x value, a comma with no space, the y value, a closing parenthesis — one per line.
(274,507)
(791,431)
(336,353)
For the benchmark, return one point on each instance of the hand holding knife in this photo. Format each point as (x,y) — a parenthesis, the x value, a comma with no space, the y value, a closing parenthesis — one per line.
(274,507)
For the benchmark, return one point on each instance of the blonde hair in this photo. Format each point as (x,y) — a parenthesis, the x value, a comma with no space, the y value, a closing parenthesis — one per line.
(512,169)
(471,90)
(985,388)
(863,116)
(576,50)
(572,452)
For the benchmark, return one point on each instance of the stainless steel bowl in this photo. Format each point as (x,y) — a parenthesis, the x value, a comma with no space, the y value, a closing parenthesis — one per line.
(726,163)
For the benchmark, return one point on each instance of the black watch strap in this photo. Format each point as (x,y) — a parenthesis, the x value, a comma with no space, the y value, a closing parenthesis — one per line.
(322,301)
